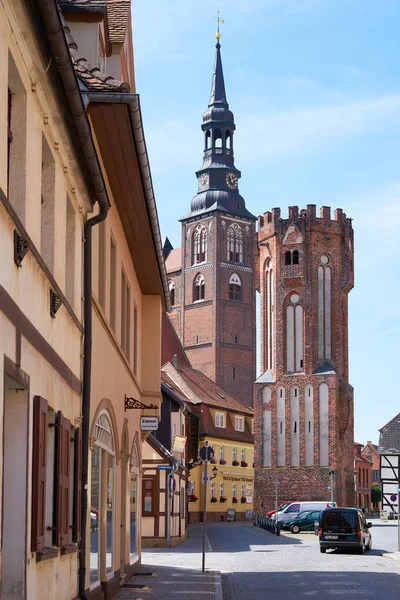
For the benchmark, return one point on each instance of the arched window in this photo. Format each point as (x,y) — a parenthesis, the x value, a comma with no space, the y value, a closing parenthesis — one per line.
(208,140)
(217,139)
(294,335)
(324,308)
(234,243)
(269,315)
(199,288)
(199,244)
(102,506)
(235,287)
(295,257)
(228,140)
(171,287)
(134,478)
(288,257)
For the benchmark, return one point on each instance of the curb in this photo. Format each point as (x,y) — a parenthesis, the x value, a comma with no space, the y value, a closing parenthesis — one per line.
(218,585)
(393,556)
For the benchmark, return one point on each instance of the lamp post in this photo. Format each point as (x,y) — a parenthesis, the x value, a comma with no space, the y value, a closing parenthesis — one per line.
(206,454)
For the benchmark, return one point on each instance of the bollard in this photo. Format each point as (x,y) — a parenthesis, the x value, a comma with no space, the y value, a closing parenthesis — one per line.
(278,528)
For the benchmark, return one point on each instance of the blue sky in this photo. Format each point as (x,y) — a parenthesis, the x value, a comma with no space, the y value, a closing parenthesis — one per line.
(315,89)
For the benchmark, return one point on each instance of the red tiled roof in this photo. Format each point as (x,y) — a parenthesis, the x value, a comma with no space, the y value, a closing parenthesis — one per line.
(118,19)
(170,343)
(173,262)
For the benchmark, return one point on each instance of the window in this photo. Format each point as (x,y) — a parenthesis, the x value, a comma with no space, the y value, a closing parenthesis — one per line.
(292,257)
(234,490)
(70,253)
(243,454)
(221,490)
(125,316)
(288,258)
(171,287)
(199,288)
(234,454)
(369,458)
(294,335)
(148,495)
(239,423)
(113,282)
(295,257)
(243,491)
(234,242)
(217,138)
(135,338)
(102,264)
(221,452)
(233,372)
(219,420)
(235,287)
(47,216)
(199,244)
(252,426)
(17,141)
(212,490)
(324,308)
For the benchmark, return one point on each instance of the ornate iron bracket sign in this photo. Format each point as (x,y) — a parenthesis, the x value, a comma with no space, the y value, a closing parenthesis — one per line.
(20,248)
(55,303)
(133,403)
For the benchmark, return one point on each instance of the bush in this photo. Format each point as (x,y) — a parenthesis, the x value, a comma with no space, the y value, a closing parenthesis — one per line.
(376,494)
(223,499)
(222,461)
(243,463)
(214,499)
(235,463)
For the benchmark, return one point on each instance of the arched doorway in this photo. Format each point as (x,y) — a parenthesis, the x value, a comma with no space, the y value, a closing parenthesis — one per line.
(133,499)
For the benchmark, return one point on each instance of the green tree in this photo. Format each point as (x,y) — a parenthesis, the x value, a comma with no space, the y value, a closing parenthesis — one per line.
(376,494)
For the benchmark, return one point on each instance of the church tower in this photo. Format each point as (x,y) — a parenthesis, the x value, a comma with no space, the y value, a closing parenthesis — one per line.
(214,284)
(303,400)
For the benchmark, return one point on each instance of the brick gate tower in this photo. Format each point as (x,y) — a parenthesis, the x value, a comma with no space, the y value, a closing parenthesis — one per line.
(211,276)
(303,399)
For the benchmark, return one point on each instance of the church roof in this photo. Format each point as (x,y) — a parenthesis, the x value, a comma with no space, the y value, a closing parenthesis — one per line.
(218,200)
(173,262)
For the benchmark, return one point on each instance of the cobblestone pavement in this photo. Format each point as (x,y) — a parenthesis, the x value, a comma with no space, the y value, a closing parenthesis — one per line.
(256,565)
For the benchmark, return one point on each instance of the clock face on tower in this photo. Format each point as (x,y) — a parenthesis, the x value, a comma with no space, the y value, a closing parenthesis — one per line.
(232,180)
(203,180)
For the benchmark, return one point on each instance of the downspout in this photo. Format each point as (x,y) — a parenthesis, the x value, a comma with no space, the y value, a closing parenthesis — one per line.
(52,21)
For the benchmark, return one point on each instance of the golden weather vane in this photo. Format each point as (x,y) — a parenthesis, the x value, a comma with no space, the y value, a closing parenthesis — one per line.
(219,20)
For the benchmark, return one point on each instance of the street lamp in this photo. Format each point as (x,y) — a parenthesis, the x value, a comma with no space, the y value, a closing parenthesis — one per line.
(214,473)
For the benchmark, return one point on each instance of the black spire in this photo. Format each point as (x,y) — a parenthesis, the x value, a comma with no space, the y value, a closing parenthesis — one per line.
(218,95)
(218,177)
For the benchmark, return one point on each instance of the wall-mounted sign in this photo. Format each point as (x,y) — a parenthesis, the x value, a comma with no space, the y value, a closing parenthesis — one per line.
(164,467)
(148,423)
(179,444)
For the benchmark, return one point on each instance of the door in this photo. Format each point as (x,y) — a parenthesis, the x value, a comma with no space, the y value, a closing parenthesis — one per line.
(15,463)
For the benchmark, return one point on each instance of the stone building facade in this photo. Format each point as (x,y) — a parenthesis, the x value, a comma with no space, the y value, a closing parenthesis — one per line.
(212,275)
(303,400)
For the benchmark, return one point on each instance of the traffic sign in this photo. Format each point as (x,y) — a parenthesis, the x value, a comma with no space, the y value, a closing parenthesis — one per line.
(393,498)
(164,467)
(206,453)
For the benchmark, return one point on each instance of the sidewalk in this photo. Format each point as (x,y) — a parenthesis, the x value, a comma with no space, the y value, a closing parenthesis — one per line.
(166,575)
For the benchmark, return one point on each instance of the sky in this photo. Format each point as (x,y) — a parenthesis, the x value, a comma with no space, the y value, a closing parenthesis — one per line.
(315,89)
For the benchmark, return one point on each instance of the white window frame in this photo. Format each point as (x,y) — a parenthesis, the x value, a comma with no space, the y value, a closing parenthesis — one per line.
(243,454)
(239,423)
(234,490)
(221,452)
(220,418)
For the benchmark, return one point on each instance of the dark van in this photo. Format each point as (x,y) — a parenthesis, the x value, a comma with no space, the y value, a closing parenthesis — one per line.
(344,528)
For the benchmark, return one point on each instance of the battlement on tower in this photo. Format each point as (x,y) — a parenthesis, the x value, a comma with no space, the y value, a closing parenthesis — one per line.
(272,221)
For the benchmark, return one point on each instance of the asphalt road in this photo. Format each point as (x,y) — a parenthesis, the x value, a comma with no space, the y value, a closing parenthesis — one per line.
(258,566)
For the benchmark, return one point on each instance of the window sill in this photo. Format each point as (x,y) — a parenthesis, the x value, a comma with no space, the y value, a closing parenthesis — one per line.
(69,549)
(46,554)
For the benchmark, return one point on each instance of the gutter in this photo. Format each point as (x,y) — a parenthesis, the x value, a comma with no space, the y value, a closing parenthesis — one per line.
(62,59)
(133,102)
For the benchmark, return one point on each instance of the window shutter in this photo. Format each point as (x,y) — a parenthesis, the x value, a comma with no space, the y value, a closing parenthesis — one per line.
(40,408)
(63,475)
(77,486)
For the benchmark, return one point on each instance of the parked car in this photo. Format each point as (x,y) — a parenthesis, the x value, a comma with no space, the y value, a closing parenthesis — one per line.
(269,513)
(344,528)
(294,509)
(304,522)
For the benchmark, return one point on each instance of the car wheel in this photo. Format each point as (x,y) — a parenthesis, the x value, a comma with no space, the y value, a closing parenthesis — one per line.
(322,550)
(295,528)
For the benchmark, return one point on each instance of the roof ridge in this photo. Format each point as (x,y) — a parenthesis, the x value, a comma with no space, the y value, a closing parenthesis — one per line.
(181,383)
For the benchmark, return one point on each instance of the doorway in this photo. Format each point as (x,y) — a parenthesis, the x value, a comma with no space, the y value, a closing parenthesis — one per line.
(15,463)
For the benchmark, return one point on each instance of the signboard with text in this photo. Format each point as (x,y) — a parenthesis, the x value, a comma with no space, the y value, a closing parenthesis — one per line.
(148,423)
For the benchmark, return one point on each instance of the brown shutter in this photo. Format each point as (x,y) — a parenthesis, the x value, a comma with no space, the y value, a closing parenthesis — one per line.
(40,408)
(77,486)
(63,474)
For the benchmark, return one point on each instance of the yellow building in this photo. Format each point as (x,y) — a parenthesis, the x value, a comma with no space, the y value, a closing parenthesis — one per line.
(227,425)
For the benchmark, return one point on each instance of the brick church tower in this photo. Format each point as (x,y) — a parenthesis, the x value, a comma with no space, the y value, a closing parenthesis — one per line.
(303,399)
(212,276)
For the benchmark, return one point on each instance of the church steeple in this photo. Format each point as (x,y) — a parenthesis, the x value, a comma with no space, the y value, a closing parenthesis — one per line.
(218,178)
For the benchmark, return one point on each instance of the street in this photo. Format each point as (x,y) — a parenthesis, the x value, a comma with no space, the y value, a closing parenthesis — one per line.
(258,566)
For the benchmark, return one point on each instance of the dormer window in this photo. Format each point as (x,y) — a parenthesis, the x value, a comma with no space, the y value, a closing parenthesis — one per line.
(199,288)
(220,420)
(199,244)
(239,423)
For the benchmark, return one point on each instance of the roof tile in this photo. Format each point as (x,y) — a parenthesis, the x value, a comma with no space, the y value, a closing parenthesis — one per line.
(118,18)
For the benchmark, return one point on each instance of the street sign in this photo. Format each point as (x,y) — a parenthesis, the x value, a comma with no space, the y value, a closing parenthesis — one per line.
(164,467)
(206,453)
(393,498)
(148,423)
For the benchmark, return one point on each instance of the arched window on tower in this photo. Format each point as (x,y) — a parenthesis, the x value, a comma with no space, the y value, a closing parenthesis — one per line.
(235,288)
(171,287)
(295,257)
(218,141)
(294,334)
(288,257)
(208,140)
(228,140)
(324,308)
(199,244)
(269,315)
(199,288)
(234,243)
